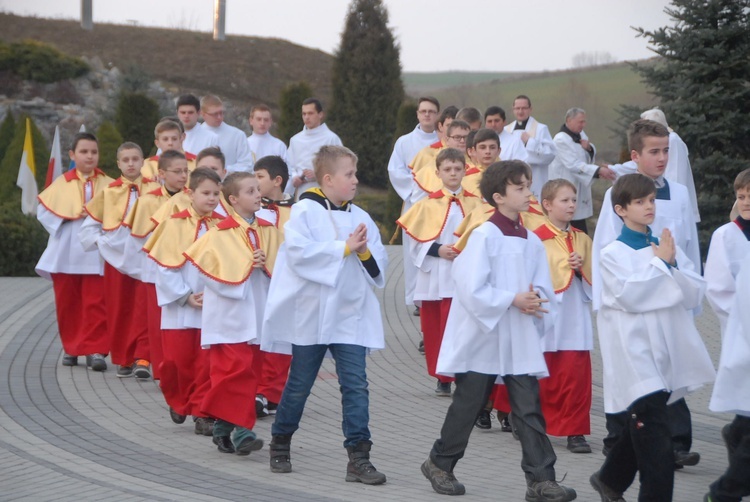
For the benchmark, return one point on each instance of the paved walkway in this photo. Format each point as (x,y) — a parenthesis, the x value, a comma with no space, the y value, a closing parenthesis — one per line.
(71,434)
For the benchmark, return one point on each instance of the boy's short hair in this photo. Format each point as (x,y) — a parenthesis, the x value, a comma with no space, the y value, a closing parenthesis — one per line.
(486,134)
(175,120)
(210,100)
(450,112)
(189,100)
(450,154)
(166,125)
(643,128)
(128,145)
(469,114)
(211,151)
(494,110)
(429,99)
(457,124)
(314,101)
(166,159)
(202,174)
(325,158)
(499,175)
(274,166)
(550,189)
(742,180)
(629,187)
(259,108)
(82,136)
(470,139)
(231,184)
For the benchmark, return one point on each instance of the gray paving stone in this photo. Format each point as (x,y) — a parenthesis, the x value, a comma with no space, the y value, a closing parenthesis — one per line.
(73,434)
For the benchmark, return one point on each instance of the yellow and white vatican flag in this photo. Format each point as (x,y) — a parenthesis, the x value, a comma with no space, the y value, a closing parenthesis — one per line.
(26,172)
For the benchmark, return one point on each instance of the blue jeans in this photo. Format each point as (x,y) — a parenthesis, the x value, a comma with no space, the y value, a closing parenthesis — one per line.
(355,398)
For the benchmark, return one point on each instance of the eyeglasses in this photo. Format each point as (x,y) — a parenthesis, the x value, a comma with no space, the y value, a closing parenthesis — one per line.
(427,112)
(459,138)
(178,171)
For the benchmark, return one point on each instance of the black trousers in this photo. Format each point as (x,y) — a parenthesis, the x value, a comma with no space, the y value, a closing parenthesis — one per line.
(471,394)
(680,426)
(644,446)
(735,482)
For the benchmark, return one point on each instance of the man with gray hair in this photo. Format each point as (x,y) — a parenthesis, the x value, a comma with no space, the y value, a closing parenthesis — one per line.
(574,162)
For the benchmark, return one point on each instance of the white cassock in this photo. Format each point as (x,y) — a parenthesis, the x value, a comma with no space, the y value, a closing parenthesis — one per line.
(512,148)
(729,248)
(646,331)
(573,329)
(318,295)
(233,313)
(629,167)
(576,165)
(674,214)
(484,333)
(263,145)
(406,148)
(65,253)
(172,284)
(434,279)
(540,149)
(678,169)
(115,246)
(233,144)
(732,388)
(302,148)
(198,138)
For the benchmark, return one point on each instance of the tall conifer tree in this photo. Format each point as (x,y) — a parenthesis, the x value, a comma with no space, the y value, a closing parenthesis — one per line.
(367,89)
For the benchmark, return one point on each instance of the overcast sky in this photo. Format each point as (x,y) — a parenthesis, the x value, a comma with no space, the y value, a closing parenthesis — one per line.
(435,35)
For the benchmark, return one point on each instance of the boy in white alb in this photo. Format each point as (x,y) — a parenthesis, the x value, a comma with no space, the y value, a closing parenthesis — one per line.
(261,142)
(305,144)
(104,230)
(196,137)
(494,331)
(651,351)
(730,244)
(236,258)
(321,300)
(649,149)
(430,225)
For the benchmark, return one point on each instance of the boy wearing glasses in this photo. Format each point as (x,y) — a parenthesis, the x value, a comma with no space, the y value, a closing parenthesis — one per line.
(426,180)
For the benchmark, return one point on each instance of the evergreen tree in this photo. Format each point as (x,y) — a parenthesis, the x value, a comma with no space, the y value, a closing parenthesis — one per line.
(290,103)
(135,118)
(109,140)
(367,89)
(702,80)
(7,130)
(12,160)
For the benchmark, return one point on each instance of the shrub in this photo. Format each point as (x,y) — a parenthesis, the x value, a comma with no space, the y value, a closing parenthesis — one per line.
(23,242)
(290,103)
(40,62)
(109,140)
(136,117)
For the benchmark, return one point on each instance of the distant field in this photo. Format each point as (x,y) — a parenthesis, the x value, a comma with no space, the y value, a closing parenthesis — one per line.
(600,91)
(421,82)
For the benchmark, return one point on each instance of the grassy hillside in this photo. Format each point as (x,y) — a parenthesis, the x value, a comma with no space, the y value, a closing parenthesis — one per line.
(243,69)
(430,82)
(598,90)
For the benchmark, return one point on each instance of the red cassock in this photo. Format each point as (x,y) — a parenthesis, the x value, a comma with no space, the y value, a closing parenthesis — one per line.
(184,371)
(126,320)
(231,394)
(433,316)
(81,314)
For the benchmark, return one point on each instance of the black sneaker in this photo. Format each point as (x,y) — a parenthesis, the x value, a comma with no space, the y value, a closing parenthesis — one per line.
(416,312)
(689,458)
(484,420)
(176,417)
(142,369)
(578,444)
(224,444)
(549,491)
(442,482)
(68,360)
(96,362)
(272,407)
(261,406)
(249,445)
(605,492)
(420,348)
(443,389)
(204,426)
(124,371)
(505,424)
